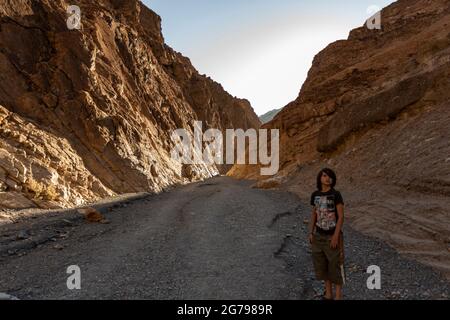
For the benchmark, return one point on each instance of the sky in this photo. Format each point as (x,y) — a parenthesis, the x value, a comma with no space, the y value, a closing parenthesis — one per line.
(260,50)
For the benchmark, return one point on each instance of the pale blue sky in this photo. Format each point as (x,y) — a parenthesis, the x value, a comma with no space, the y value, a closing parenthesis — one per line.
(260,50)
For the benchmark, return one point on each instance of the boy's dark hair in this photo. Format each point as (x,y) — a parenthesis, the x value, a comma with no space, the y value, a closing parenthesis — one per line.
(329,173)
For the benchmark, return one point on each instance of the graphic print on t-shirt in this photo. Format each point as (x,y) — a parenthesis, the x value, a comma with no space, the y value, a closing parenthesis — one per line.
(326,212)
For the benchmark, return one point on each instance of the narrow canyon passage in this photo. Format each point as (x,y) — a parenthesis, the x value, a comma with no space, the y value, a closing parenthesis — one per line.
(216,239)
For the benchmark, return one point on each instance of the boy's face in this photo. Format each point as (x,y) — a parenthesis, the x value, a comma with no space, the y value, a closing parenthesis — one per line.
(325,179)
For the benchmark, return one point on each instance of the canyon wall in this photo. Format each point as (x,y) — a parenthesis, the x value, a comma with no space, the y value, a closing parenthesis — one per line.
(87,114)
(376,109)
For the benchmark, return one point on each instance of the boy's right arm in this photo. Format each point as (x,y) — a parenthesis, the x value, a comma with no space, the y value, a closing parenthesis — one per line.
(312,224)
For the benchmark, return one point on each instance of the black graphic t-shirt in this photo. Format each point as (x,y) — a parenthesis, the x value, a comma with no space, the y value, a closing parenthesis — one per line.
(325,204)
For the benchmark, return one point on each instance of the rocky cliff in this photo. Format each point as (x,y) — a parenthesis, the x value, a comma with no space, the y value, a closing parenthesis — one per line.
(88,113)
(376,109)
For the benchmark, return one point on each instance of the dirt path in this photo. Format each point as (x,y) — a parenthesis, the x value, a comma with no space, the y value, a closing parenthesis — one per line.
(218,239)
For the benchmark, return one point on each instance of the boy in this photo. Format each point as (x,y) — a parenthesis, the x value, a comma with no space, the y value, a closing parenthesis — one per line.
(325,233)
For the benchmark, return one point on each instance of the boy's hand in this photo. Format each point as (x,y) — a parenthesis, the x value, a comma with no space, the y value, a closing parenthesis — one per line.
(311,238)
(334,241)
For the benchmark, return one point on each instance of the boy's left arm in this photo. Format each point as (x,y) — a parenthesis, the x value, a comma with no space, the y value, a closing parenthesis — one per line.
(335,239)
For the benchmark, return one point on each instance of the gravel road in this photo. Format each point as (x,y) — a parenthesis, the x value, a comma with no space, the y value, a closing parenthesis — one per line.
(217,239)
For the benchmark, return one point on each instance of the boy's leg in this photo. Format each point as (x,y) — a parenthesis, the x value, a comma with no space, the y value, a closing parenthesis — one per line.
(321,264)
(338,292)
(334,269)
(341,262)
(328,290)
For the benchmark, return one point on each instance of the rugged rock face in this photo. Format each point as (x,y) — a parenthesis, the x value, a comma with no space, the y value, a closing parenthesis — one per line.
(86,114)
(376,109)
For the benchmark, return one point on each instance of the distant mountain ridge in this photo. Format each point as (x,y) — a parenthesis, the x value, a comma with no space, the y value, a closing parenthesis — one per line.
(268,116)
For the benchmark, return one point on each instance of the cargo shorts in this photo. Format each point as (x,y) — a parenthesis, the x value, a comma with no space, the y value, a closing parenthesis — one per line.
(328,262)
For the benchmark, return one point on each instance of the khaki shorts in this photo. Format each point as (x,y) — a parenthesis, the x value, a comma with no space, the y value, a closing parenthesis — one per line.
(327,261)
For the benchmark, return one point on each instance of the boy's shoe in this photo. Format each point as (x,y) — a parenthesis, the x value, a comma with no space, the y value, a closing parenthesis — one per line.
(324,297)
